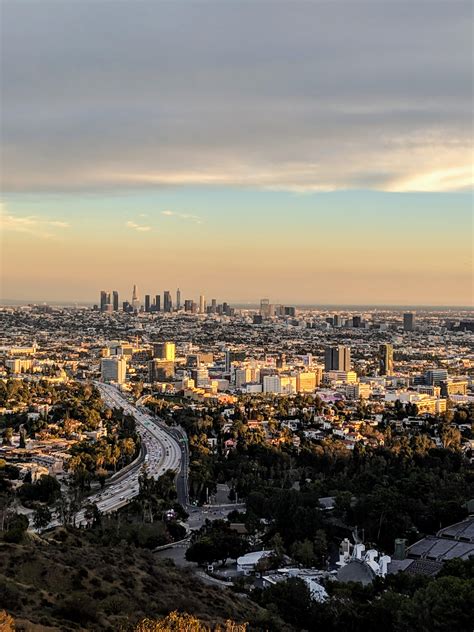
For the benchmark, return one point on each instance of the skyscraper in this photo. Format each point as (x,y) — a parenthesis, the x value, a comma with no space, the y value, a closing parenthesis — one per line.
(409,321)
(337,358)
(115,296)
(113,369)
(164,351)
(135,298)
(178,300)
(265,308)
(157,303)
(386,359)
(147,302)
(167,304)
(202,304)
(103,300)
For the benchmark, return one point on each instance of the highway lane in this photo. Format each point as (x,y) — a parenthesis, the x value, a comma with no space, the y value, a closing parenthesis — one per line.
(163,453)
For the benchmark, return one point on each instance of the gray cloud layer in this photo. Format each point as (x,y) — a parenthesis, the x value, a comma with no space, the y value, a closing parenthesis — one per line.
(295,95)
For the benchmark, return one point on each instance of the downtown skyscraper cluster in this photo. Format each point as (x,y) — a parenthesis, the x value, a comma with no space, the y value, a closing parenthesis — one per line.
(109,302)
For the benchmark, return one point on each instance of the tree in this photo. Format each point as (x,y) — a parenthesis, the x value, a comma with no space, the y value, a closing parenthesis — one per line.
(17,525)
(7,436)
(303,552)
(320,547)
(42,517)
(444,604)
(7,624)
(183,622)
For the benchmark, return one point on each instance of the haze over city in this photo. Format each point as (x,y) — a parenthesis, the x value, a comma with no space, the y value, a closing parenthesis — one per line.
(312,152)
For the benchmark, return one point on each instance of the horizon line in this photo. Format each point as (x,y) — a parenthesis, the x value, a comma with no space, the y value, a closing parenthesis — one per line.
(10,302)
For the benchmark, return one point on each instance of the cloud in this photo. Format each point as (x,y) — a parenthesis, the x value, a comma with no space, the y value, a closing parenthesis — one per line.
(29,224)
(322,97)
(138,227)
(186,216)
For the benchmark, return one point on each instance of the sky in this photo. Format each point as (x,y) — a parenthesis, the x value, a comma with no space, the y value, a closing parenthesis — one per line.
(309,152)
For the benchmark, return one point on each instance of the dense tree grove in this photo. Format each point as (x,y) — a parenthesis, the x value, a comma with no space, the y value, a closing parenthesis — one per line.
(406,487)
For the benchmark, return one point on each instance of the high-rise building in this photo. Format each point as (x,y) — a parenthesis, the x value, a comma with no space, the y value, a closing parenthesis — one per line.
(306,382)
(147,302)
(357,321)
(386,359)
(228,360)
(167,303)
(200,377)
(135,298)
(434,377)
(157,303)
(265,308)
(160,370)
(337,358)
(213,306)
(178,300)
(409,321)
(164,351)
(103,300)
(115,298)
(114,369)
(202,304)
(188,305)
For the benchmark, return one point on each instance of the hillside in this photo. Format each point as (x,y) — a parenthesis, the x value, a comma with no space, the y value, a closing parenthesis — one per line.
(64,583)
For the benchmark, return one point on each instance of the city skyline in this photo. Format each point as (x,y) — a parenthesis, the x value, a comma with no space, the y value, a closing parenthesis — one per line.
(320,163)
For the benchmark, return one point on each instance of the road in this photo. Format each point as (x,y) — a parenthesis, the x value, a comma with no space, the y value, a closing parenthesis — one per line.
(162,453)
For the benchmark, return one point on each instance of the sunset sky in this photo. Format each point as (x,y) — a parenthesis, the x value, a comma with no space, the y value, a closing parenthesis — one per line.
(311,152)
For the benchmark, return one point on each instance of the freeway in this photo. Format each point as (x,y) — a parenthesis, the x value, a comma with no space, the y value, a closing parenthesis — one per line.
(162,453)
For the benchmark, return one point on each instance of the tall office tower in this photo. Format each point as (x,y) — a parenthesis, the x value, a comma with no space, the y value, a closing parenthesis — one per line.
(157,303)
(164,351)
(103,300)
(188,305)
(135,298)
(115,299)
(409,321)
(167,304)
(337,358)
(200,377)
(356,321)
(114,369)
(337,320)
(265,308)
(434,377)
(178,300)
(147,302)
(386,359)
(160,370)
(213,306)
(193,361)
(228,360)
(202,304)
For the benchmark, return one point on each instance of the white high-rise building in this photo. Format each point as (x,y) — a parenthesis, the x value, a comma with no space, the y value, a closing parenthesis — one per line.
(271,384)
(114,369)
(202,304)
(135,298)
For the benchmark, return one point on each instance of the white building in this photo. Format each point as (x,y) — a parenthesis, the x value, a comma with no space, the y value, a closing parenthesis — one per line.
(271,384)
(248,562)
(114,369)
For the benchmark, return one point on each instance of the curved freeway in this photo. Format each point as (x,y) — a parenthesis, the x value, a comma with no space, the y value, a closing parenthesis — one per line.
(162,453)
